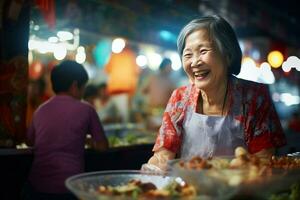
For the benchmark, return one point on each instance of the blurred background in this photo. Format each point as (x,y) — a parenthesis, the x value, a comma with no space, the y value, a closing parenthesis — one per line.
(129,50)
(122,46)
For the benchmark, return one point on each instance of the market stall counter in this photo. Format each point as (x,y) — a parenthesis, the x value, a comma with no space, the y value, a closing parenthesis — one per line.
(16,163)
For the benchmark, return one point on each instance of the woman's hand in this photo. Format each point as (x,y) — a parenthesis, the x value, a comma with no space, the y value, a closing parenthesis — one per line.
(158,163)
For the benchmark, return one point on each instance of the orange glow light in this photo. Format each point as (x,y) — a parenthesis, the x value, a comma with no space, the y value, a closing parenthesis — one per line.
(275,59)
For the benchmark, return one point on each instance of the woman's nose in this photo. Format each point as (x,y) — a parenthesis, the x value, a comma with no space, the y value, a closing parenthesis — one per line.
(195,61)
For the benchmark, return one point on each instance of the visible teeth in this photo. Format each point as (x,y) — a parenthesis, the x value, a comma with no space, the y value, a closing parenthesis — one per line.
(200,73)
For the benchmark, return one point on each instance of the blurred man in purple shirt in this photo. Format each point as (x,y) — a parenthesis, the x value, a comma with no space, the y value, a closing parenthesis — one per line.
(58,132)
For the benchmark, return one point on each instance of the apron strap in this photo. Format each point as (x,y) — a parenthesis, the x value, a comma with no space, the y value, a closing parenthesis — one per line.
(185,101)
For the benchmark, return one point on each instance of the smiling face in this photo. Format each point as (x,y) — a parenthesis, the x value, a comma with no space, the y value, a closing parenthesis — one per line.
(202,61)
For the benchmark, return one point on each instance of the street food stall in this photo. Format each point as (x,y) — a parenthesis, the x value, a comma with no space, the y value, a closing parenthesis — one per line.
(243,176)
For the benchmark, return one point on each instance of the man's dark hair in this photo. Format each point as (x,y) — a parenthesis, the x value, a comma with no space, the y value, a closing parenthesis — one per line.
(64,74)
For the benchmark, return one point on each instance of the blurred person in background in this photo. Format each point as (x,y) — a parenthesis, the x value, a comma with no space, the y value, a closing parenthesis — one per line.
(123,74)
(139,106)
(217,112)
(57,134)
(106,108)
(90,94)
(158,90)
(98,97)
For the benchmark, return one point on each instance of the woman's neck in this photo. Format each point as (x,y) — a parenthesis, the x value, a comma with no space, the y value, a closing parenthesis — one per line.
(213,101)
(214,97)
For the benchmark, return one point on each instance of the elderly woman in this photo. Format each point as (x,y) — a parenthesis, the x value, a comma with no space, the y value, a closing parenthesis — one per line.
(217,112)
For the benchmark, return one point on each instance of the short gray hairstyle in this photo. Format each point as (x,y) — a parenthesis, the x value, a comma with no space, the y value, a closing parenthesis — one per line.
(222,35)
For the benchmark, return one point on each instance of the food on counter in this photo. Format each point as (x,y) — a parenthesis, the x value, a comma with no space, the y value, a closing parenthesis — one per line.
(242,168)
(198,163)
(195,163)
(241,160)
(115,141)
(136,189)
(285,162)
(130,138)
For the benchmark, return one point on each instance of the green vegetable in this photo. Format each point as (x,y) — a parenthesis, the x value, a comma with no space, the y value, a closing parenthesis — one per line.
(171,187)
(135,194)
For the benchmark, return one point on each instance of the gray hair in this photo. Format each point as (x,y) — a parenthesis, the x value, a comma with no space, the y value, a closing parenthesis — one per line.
(221,34)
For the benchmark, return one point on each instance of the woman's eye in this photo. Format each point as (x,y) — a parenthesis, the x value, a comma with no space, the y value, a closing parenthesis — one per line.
(187,55)
(203,51)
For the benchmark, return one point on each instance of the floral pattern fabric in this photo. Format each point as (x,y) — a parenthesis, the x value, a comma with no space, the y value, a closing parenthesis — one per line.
(250,105)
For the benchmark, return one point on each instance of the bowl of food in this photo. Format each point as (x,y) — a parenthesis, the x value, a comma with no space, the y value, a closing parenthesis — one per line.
(242,174)
(129,185)
(208,176)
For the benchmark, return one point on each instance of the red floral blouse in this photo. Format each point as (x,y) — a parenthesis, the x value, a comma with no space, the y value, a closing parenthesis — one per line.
(250,105)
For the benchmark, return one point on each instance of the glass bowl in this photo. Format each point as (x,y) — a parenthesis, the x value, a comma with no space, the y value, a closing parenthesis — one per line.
(85,185)
(226,183)
(206,181)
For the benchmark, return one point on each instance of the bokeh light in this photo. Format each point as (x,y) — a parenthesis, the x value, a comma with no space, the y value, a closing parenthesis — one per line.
(275,59)
(59,51)
(118,45)
(141,61)
(80,55)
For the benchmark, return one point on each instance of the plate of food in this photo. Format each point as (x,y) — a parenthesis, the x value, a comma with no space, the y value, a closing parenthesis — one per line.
(130,185)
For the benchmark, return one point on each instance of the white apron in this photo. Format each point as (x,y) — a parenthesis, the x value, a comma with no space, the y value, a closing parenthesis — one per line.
(208,136)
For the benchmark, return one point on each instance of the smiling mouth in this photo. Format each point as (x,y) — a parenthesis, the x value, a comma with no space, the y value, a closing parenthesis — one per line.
(201,75)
